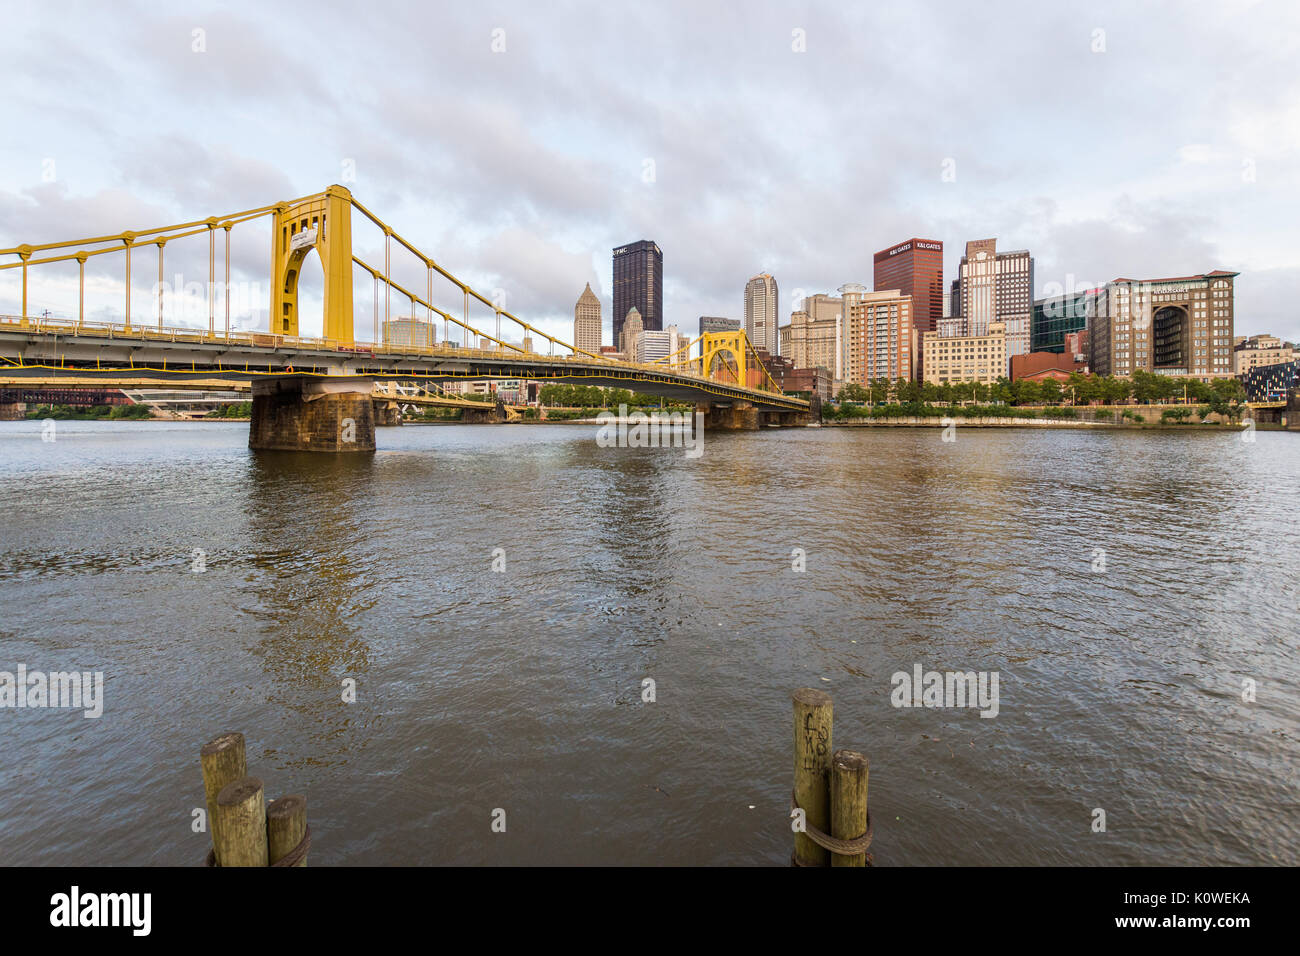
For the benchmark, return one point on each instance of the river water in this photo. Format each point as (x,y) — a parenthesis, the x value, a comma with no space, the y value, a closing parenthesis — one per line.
(1123,586)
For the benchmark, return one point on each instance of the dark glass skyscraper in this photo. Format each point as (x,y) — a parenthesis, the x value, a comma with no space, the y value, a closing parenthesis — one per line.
(1057,316)
(639,283)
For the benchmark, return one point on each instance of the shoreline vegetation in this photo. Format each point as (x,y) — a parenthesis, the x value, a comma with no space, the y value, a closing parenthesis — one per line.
(1083,401)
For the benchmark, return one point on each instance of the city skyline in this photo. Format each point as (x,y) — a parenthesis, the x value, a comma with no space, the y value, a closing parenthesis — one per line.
(547,176)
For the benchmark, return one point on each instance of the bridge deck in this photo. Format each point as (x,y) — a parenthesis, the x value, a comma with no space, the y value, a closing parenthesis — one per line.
(103,353)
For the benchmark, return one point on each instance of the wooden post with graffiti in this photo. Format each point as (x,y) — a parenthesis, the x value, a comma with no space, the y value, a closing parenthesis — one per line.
(812,764)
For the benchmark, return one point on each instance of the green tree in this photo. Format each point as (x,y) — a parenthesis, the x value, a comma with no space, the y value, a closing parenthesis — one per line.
(853,392)
(907,390)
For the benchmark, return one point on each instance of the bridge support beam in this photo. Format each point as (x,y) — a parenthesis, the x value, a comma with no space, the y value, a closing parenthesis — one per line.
(312,415)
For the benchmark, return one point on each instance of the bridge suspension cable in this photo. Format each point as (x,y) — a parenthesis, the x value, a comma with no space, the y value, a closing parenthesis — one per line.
(467,290)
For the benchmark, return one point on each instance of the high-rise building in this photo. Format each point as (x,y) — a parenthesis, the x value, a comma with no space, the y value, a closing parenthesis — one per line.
(716,323)
(914,268)
(881,341)
(1257,351)
(814,336)
(651,346)
(1057,316)
(761,311)
(1178,326)
(639,284)
(409,331)
(586,322)
(966,358)
(630,328)
(997,287)
(851,294)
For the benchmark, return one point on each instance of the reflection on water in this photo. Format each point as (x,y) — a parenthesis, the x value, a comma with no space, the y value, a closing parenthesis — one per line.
(521,689)
(305,522)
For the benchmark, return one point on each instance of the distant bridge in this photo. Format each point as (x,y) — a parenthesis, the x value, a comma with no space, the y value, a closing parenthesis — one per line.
(307,389)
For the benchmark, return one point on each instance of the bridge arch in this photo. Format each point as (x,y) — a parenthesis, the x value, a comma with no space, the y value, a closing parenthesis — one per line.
(323,223)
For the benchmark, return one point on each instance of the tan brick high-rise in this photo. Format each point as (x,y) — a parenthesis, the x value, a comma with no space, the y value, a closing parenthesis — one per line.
(586,322)
(1177,326)
(881,341)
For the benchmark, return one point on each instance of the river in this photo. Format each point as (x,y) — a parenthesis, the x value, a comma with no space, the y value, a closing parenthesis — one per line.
(1123,586)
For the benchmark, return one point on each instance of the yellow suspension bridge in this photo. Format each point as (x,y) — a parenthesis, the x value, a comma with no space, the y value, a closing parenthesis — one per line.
(316,392)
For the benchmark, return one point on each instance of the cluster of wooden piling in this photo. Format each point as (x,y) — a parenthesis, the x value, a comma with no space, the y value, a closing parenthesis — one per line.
(830,787)
(246,831)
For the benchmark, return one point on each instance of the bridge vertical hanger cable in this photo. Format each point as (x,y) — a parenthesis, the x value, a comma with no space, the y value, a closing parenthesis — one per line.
(126,239)
(161,243)
(225,293)
(212,278)
(81,290)
(25,256)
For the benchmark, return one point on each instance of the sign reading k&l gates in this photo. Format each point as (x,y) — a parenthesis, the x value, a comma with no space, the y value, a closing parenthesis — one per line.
(927,244)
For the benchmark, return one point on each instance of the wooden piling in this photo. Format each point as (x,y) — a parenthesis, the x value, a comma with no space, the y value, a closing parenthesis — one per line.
(848,802)
(224,761)
(240,831)
(286,823)
(812,761)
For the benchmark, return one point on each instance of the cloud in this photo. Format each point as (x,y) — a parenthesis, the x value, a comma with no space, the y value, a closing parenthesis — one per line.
(521,163)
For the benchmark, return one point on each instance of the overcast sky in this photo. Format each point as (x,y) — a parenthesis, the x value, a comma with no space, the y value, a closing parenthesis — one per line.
(517,144)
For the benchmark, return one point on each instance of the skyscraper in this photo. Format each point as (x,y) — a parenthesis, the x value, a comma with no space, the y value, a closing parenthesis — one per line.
(586,322)
(881,342)
(815,335)
(914,268)
(639,284)
(630,328)
(997,287)
(761,311)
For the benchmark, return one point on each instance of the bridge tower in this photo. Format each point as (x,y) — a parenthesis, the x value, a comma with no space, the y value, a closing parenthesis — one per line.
(322,222)
(292,414)
(713,344)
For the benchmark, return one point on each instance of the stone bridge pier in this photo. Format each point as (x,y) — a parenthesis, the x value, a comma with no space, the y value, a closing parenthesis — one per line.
(738,416)
(742,416)
(387,413)
(295,414)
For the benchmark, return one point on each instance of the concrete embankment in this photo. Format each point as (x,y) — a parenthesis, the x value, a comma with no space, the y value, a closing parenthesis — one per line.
(926,422)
